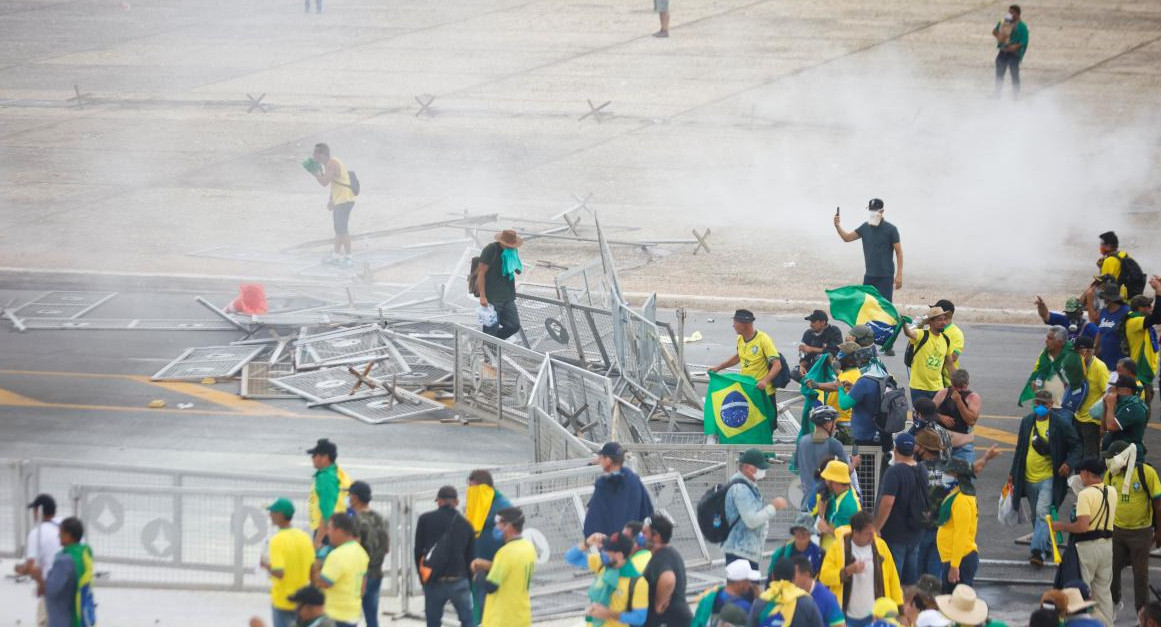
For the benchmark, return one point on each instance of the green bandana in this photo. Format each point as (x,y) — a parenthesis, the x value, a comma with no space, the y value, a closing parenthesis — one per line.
(510,263)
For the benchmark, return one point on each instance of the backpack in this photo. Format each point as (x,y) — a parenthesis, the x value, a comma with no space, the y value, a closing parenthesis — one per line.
(1132,277)
(909,354)
(711,512)
(474,277)
(355,186)
(892,414)
(782,379)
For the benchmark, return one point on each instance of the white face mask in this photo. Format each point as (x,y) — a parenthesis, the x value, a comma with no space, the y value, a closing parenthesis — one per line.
(876,219)
(1007,17)
(948,480)
(759,474)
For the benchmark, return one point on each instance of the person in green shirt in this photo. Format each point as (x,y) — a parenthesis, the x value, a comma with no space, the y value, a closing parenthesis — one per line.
(1011,35)
(1125,415)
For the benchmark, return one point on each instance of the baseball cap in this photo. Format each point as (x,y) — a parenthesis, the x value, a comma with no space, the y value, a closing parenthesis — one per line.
(282,506)
(818,315)
(863,335)
(324,447)
(611,449)
(308,595)
(362,490)
(875,204)
(1072,304)
(905,444)
(945,305)
(755,458)
(43,501)
(1082,342)
(738,570)
(1114,449)
(447,492)
(624,545)
(744,315)
(1127,382)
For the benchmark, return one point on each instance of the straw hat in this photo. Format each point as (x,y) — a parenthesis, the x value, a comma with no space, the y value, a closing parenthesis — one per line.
(962,606)
(934,312)
(509,237)
(837,472)
(1076,601)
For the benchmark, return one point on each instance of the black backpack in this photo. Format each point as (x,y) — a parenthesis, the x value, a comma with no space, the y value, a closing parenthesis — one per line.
(782,379)
(473,278)
(711,512)
(1132,277)
(355,186)
(892,414)
(909,354)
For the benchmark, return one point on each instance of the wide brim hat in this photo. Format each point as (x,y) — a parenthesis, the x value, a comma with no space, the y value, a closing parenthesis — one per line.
(1076,600)
(962,606)
(509,237)
(935,312)
(836,471)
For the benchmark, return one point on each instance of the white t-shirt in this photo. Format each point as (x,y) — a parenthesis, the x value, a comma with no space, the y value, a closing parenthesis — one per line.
(43,545)
(862,599)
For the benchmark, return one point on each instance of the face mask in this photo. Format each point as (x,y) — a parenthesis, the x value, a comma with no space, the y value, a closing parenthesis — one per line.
(640,539)
(1040,411)
(1007,17)
(497,534)
(948,480)
(605,559)
(759,474)
(876,219)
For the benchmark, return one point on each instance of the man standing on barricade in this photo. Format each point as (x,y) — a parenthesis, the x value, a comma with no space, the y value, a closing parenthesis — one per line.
(618,495)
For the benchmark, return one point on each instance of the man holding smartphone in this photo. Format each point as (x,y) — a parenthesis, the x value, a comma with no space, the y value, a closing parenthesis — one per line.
(880,242)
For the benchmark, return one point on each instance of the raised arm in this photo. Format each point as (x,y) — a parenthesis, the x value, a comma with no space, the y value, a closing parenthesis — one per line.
(847,236)
(1042,309)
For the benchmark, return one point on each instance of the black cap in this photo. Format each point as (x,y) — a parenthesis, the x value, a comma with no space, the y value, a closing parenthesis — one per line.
(43,501)
(362,490)
(818,315)
(1109,238)
(1083,341)
(611,449)
(1095,465)
(874,205)
(620,543)
(324,447)
(945,305)
(1126,382)
(447,492)
(308,595)
(743,315)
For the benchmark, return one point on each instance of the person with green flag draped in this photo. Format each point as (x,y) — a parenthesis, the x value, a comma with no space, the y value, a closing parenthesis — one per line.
(958,521)
(1059,370)
(67,590)
(619,595)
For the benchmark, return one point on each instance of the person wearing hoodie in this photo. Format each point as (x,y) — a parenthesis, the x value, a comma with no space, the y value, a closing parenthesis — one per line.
(618,495)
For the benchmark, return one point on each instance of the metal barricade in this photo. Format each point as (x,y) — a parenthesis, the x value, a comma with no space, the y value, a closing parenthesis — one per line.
(494,378)
(638,344)
(551,441)
(13,513)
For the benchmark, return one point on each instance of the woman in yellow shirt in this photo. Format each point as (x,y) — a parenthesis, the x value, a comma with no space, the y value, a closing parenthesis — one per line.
(958,517)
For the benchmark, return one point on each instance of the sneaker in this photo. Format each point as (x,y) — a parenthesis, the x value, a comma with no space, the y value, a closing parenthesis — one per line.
(333,259)
(346,261)
(1036,559)
(661,33)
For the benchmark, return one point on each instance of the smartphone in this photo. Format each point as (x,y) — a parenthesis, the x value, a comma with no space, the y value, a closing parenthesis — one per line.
(836,212)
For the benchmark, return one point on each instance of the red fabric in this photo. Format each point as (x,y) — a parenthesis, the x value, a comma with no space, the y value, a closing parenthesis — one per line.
(252,301)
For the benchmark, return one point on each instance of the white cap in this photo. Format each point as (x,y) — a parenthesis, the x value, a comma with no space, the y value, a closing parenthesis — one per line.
(932,618)
(755,575)
(738,570)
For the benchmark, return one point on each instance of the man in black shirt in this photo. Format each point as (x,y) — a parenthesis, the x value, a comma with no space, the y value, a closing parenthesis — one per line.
(444,547)
(821,338)
(496,282)
(666,576)
(899,512)
(880,241)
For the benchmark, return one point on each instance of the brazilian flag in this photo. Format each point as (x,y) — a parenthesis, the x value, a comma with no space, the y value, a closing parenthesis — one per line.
(863,304)
(737,411)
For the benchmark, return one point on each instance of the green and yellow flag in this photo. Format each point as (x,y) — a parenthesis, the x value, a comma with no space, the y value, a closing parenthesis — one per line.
(863,304)
(737,411)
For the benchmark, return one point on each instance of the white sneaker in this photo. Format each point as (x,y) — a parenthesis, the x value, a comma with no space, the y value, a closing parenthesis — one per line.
(333,258)
(346,261)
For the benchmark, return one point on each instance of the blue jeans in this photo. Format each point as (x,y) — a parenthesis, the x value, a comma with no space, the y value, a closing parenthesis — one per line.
(1040,500)
(507,320)
(929,562)
(906,558)
(283,618)
(967,452)
(967,571)
(437,594)
(371,601)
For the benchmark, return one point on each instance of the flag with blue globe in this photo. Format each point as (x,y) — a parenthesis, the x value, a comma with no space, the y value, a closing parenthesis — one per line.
(737,411)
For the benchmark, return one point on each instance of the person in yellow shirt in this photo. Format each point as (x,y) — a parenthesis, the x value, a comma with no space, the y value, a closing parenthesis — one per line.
(1092,533)
(641,553)
(930,352)
(1096,375)
(954,336)
(509,574)
(1139,500)
(849,374)
(958,517)
(756,353)
(328,493)
(859,569)
(291,554)
(342,200)
(1141,335)
(619,595)
(344,573)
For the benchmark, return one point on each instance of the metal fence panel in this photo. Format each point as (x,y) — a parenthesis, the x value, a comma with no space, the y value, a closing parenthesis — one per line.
(208,361)
(494,378)
(551,441)
(638,344)
(584,402)
(13,514)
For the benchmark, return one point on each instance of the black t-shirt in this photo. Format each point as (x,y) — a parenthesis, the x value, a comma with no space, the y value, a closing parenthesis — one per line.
(497,287)
(905,522)
(828,340)
(879,247)
(678,613)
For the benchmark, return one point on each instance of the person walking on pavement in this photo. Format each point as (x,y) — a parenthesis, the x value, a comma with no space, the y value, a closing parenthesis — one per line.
(328,493)
(954,335)
(1141,336)
(931,355)
(1109,320)
(1047,451)
(661,7)
(334,174)
(1011,35)
(444,549)
(496,282)
(882,252)
(1092,531)
(344,572)
(665,575)
(484,503)
(1096,376)
(858,569)
(290,557)
(1138,492)
(618,495)
(899,512)
(1126,415)
(1072,318)
(375,538)
(756,353)
(67,586)
(959,410)
(749,516)
(41,548)
(508,573)
(958,520)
